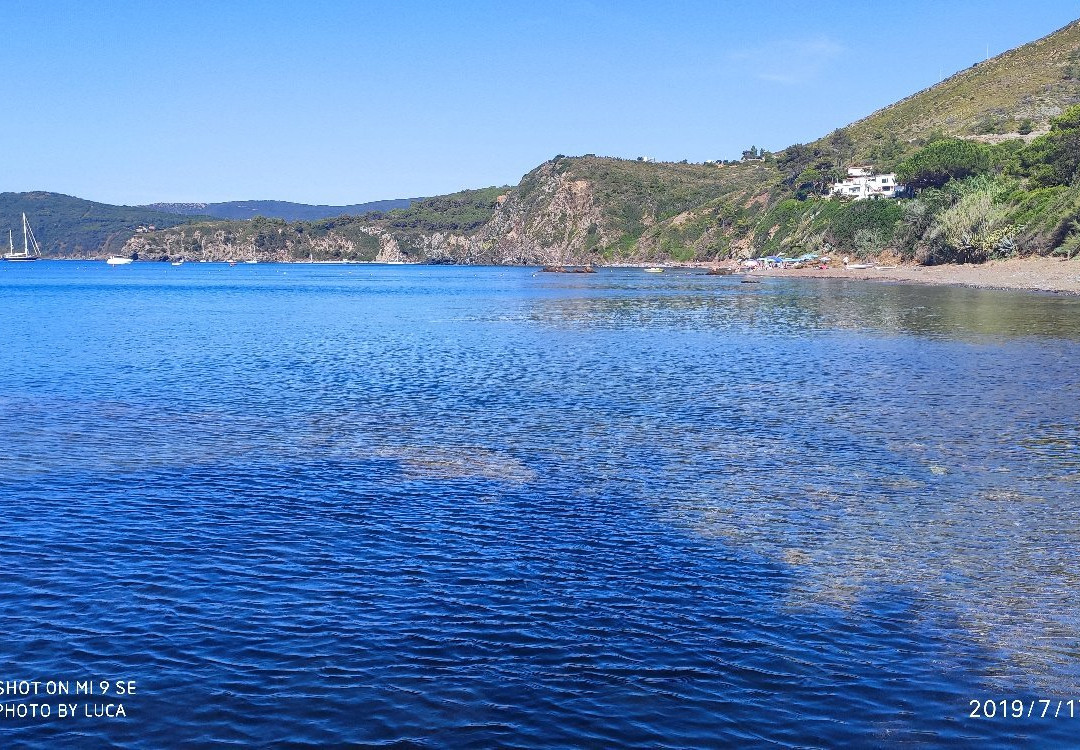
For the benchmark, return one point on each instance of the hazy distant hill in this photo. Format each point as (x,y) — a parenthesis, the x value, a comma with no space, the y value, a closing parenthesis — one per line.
(278,209)
(66,226)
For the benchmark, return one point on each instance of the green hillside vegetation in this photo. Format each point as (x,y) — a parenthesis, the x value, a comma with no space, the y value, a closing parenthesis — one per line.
(1018,92)
(72,227)
(675,210)
(458,212)
(595,209)
(973,202)
(353,238)
(1024,190)
(979,191)
(1015,94)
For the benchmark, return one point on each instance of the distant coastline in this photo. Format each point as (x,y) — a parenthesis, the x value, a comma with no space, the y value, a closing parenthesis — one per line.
(1033,274)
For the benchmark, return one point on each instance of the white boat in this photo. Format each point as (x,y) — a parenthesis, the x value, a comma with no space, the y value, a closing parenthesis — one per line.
(858,266)
(29,242)
(118,260)
(654,269)
(178,262)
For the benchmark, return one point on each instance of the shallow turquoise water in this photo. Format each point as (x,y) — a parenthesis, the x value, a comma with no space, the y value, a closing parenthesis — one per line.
(480,507)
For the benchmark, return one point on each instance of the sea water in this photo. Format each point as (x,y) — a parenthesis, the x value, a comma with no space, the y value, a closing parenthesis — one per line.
(479,507)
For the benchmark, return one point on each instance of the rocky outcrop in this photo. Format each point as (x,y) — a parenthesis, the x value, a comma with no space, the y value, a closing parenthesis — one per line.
(547,220)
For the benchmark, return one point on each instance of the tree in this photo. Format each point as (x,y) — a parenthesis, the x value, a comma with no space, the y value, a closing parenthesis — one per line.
(1054,158)
(815,180)
(843,146)
(1067,120)
(941,161)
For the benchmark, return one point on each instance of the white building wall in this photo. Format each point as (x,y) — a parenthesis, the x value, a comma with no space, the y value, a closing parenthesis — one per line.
(861,185)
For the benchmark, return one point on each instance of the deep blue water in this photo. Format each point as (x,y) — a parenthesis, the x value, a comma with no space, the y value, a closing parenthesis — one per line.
(485,507)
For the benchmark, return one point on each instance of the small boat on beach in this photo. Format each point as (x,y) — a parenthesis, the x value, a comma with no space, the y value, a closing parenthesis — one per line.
(567,269)
(858,266)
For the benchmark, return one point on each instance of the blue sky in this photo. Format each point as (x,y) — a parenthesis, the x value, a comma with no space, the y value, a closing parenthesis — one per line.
(344,102)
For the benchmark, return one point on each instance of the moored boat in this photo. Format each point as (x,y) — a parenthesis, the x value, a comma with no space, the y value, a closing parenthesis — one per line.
(29,243)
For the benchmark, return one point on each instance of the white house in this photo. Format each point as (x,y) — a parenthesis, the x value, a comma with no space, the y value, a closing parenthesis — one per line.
(862,183)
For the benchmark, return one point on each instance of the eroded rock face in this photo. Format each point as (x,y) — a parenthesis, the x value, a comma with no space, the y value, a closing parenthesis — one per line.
(548,223)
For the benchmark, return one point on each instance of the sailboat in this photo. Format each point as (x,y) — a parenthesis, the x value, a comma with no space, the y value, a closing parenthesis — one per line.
(29,241)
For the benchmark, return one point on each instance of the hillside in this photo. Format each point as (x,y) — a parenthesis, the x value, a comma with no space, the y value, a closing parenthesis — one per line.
(568,210)
(429,229)
(1016,92)
(277,209)
(1010,190)
(602,210)
(68,227)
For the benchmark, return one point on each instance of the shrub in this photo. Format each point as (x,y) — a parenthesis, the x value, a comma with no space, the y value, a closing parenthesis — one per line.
(974,229)
(1070,246)
(878,217)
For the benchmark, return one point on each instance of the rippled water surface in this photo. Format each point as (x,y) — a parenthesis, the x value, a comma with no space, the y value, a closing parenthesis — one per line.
(481,507)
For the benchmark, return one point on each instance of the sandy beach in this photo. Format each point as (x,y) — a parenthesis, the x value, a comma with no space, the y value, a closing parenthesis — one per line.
(1033,274)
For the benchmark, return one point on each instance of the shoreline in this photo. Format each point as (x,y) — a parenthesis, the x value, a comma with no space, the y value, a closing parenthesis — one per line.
(1034,274)
(1048,275)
